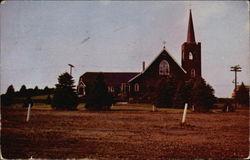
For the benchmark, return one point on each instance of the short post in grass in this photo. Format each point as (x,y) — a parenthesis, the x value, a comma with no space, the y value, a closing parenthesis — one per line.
(28,113)
(153,108)
(184,114)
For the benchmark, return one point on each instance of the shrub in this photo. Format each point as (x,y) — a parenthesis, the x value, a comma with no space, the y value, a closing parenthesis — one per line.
(202,95)
(99,98)
(165,91)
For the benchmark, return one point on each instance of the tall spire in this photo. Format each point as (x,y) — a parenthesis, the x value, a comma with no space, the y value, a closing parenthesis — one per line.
(190,34)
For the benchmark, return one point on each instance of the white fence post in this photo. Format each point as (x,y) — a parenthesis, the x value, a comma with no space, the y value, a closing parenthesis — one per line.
(28,113)
(184,113)
(153,109)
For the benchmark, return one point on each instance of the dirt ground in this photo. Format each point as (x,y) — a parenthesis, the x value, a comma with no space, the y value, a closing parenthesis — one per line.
(123,134)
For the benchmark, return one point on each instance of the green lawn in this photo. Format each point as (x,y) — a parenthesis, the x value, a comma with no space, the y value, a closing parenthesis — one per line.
(122,107)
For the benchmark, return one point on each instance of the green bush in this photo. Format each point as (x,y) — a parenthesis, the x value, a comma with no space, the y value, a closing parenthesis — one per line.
(65,96)
(99,98)
(202,95)
(164,93)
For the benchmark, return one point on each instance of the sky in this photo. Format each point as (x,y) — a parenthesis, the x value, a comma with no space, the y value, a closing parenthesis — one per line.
(40,38)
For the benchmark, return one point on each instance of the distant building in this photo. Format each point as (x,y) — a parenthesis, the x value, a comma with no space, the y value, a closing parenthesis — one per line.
(136,84)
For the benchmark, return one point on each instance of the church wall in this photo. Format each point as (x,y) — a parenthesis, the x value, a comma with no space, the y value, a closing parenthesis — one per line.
(148,80)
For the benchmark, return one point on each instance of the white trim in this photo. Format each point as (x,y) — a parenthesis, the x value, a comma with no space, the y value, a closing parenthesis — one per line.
(135,77)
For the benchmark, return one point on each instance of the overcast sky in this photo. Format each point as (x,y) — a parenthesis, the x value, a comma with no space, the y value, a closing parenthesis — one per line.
(40,38)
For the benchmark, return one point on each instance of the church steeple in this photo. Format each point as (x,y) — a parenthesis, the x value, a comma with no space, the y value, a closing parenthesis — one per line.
(191,52)
(190,33)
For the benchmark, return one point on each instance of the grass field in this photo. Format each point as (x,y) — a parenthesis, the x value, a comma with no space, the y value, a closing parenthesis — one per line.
(126,132)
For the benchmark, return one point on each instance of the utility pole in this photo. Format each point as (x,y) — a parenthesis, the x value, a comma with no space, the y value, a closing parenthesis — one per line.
(71,66)
(235,69)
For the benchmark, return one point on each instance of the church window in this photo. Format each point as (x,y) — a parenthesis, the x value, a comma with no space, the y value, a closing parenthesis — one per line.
(123,87)
(190,56)
(82,89)
(164,68)
(111,89)
(193,73)
(136,87)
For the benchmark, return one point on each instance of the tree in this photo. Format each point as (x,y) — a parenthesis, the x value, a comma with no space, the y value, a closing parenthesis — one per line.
(8,98)
(202,95)
(165,91)
(46,90)
(36,90)
(23,90)
(242,95)
(99,98)
(65,96)
(48,100)
(10,90)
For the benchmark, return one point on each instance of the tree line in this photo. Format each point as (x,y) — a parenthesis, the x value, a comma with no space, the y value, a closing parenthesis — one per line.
(11,96)
(168,93)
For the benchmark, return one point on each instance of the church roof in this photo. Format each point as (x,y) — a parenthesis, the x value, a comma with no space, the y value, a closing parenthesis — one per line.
(190,33)
(110,78)
(163,51)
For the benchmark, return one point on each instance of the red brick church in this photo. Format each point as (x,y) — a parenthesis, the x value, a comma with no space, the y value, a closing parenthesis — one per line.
(134,84)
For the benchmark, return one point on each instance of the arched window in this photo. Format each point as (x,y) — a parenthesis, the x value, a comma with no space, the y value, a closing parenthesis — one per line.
(190,56)
(136,87)
(81,89)
(193,73)
(111,89)
(164,68)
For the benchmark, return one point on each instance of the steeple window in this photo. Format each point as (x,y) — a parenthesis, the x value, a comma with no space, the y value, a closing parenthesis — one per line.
(190,56)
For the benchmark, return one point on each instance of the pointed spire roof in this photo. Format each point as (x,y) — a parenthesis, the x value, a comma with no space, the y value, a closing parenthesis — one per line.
(190,33)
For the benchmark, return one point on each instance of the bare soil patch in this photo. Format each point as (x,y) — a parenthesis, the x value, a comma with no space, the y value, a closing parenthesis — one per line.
(124,134)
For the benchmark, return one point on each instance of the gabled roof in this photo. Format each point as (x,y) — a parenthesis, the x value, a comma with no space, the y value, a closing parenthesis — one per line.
(164,50)
(110,78)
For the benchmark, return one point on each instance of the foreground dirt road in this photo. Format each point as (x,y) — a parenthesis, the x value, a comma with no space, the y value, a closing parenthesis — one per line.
(123,134)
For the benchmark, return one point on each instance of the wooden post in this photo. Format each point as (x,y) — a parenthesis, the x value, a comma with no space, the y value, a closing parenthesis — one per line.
(184,113)
(28,113)
(227,108)
(193,108)
(153,109)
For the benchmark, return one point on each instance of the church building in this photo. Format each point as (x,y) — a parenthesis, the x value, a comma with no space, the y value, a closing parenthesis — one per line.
(135,84)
